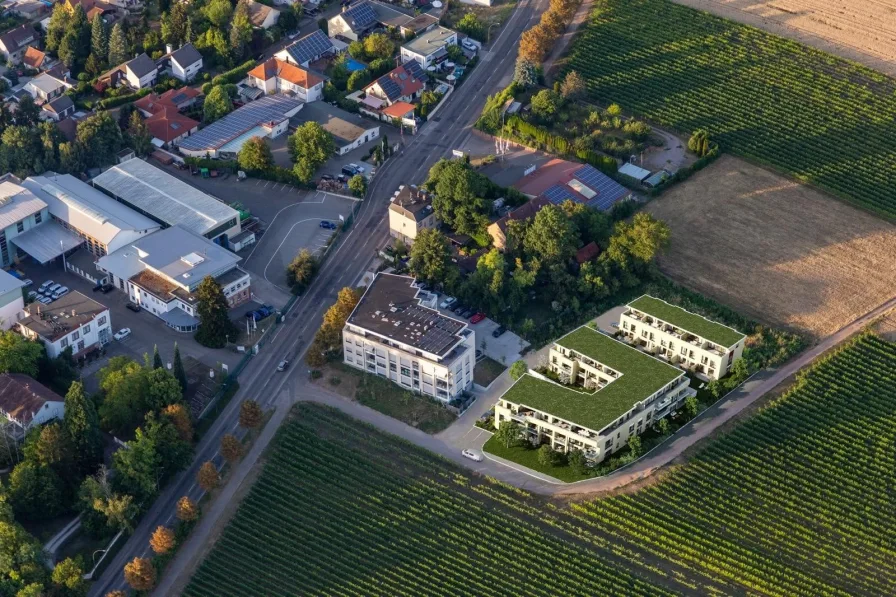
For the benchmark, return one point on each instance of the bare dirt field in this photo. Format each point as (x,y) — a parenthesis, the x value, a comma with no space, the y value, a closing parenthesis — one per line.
(886,327)
(859,30)
(774,249)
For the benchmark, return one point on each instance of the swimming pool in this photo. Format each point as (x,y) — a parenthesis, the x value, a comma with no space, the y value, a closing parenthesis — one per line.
(352,65)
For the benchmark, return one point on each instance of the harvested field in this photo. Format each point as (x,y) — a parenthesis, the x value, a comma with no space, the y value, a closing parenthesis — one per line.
(856,30)
(774,249)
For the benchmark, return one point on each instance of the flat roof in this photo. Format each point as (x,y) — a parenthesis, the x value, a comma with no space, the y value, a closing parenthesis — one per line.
(690,322)
(345,127)
(8,282)
(47,241)
(390,308)
(164,197)
(62,316)
(268,109)
(641,376)
(430,41)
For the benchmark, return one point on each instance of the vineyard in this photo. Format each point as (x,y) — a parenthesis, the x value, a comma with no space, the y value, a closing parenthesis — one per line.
(796,501)
(823,119)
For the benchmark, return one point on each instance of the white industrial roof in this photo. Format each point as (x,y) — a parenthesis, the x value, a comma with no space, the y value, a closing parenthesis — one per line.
(164,197)
(16,204)
(47,241)
(8,282)
(85,208)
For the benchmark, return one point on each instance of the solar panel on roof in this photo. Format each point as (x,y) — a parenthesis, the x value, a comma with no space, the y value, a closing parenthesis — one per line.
(309,47)
(557,194)
(389,87)
(360,16)
(267,109)
(608,190)
(415,70)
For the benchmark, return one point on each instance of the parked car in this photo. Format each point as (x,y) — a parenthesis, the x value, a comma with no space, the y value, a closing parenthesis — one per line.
(122,334)
(61,292)
(450,300)
(28,282)
(328,225)
(467,313)
(472,455)
(45,300)
(469,45)
(358,169)
(458,308)
(283,366)
(478,353)
(260,313)
(133,307)
(52,288)
(107,288)
(477,318)
(349,171)
(32,296)
(45,285)
(499,332)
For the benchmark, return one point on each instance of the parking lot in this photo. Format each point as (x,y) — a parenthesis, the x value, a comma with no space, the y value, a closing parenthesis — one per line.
(505,349)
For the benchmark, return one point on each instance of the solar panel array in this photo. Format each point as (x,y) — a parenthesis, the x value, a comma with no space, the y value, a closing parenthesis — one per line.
(608,190)
(558,193)
(415,70)
(267,109)
(309,47)
(389,87)
(360,16)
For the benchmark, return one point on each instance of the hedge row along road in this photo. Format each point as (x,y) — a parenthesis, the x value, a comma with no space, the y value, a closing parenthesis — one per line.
(817,117)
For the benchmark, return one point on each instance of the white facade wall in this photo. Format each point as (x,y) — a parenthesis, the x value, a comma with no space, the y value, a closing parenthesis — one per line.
(52,410)
(97,331)
(338,26)
(11,305)
(139,83)
(185,73)
(368,135)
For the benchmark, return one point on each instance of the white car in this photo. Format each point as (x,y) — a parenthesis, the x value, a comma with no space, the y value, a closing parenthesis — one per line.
(45,285)
(28,282)
(469,45)
(357,167)
(45,300)
(472,455)
(122,334)
(52,288)
(447,302)
(60,292)
(32,295)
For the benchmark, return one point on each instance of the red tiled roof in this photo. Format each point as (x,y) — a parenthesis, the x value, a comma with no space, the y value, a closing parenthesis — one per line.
(185,92)
(406,82)
(286,71)
(168,124)
(587,253)
(33,57)
(555,171)
(398,109)
(523,212)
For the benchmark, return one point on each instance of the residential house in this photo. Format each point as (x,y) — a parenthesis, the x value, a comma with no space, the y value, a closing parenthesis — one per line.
(349,131)
(307,49)
(685,339)
(169,126)
(15,42)
(11,300)
(561,180)
(45,87)
(184,63)
(36,59)
(27,404)
(607,393)
(72,320)
(274,75)
(162,271)
(141,72)
(402,84)
(419,24)
(396,333)
(587,253)
(359,19)
(498,229)
(262,15)
(58,108)
(30,10)
(181,99)
(429,48)
(410,211)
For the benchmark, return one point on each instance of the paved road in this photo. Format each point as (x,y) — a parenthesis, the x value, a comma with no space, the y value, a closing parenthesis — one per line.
(345,266)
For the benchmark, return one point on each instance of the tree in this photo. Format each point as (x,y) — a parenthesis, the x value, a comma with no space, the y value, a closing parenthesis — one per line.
(662,426)
(573,86)
(577,462)
(215,326)
(565,8)
(207,477)
(460,195)
(116,594)
(138,134)
(508,434)
(471,25)
(69,579)
(178,369)
(525,73)
(518,369)
(638,242)
(301,271)
(551,237)
(310,146)
(72,158)
(251,414)
(378,45)
(57,27)
(328,338)
(140,574)
(634,446)
(358,80)
(187,510)
(36,492)
(546,455)
(179,416)
(156,357)
(691,407)
(431,256)
(75,44)
(162,389)
(240,30)
(27,113)
(356,50)
(102,135)
(217,103)
(255,156)
(162,540)
(231,448)
(150,458)
(218,12)
(553,23)
(700,143)
(545,104)
(357,184)
(99,38)
(118,48)
(18,354)
(534,44)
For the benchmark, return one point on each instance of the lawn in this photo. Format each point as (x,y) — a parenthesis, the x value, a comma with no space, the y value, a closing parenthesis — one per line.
(528,457)
(486,371)
(817,117)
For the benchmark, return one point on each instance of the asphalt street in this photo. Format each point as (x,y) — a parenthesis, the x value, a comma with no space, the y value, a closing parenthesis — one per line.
(347,263)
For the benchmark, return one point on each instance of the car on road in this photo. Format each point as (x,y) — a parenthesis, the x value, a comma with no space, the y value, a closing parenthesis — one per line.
(133,307)
(472,455)
(122,334)
(499,332)
(28,282)
(447,302)
(477,318)
(283,366)
(328,225)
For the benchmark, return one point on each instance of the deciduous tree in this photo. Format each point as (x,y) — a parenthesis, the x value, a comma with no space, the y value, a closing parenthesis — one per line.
(217,103)
(328,339)
(551,237)
(187,510)
(357,184)
(310,145)
(162,540)
(508,434)
(68,577)
(255,156)
(431,257)
(180,418)
(534,44)
(546,455)
(545,104)
(231,448)
(207,477)
(218,12)
(525,72)
(18,354)
(138,134)
(101,134)
(301,271)
(573,86)
(378,45)
(251,414)
(518,369)
(240,30)
(140,574)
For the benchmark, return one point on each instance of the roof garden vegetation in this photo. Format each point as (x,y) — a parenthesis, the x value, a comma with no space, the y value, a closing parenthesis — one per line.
(691,322)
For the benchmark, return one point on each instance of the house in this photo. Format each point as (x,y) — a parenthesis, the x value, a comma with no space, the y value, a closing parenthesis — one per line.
(103,223)
(184,63)
(410,211)
(359,19)
(404,83)
(169,126)
(36,59)
(307,49)
(168,200)
(11,300)
(498,229)
(30,10)
(587,253)
(419,24)
(274,75)
(140,72)
(58,108)
(262,15)
(607,393)
(45,87)
(400,111)
(181,99)
(429,48)
(266,117)
(72,320)
(162,271)
(69,128)
(349,131)
(685,339)
(14,42)
(561,180)
(396,333)
(27,403)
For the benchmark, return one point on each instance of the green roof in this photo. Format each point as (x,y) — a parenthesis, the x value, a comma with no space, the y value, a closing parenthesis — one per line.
(691,322)
(642,375)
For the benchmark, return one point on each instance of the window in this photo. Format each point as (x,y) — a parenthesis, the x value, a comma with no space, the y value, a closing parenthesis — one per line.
(87,329)
(63,343)
(20,227)
(37,218)
(75,335)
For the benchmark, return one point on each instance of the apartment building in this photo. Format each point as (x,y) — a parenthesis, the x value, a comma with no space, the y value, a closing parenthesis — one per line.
(607,392)
(410,211)
(396,332)
(682,338)
(73,320)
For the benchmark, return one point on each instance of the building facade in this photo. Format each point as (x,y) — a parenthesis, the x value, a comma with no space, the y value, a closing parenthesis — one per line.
(20,212)
(410,211)
(682,338)
(26,404)
(395,332)
(430,48)
(11,300)
(602,393)
(73,320)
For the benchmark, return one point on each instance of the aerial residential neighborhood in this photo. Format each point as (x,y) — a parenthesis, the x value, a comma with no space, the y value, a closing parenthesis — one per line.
(446,297)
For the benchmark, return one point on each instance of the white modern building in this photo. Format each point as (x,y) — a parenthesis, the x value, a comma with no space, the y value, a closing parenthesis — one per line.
(603,392)
(429,48)
(73,320)
(161,272)
(21,232)
(26,403)
(682,338)
(168,200)
(11,300)
(395,332)
(140,72)
(184,62)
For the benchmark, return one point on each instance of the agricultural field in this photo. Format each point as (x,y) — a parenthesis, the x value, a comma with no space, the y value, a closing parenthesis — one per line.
(815,116)
(779,251)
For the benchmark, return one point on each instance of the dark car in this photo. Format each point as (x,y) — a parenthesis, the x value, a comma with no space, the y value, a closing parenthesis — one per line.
(328,225)
(349,171)
(107,288)
(97,287)
(468,313)
(133,307)
(499,332)
(327,177)
(458,309)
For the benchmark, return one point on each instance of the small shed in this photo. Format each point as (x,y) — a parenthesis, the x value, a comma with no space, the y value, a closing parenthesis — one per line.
(635,172)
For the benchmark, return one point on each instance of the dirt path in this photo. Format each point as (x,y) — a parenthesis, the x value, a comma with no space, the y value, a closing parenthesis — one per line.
(559,50)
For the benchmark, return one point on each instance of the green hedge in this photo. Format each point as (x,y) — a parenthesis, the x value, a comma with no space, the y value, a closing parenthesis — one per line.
(112,102)
(230,165)
(234,75)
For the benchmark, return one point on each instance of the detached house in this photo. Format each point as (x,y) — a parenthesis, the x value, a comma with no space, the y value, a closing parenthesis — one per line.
(403,84)
(430,48)
(184,63)
(139,73)
(14,43)
(58,109)
(410,211)
(36,59)
(26,403)
(275,75)
(73,320)
(307,49)
(261,15)
(45,87)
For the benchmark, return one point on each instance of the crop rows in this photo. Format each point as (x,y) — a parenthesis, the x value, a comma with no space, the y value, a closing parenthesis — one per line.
(822,119)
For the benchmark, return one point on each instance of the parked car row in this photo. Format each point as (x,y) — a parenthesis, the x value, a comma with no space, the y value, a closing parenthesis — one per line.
(104,288)
(47,292)
(352,169)
(260,313)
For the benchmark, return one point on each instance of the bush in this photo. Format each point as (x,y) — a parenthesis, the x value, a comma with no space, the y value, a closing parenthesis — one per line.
(234,75)
(112,102)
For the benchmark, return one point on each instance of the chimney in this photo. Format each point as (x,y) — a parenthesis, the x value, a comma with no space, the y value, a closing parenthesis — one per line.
(168,48)
(74,312)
